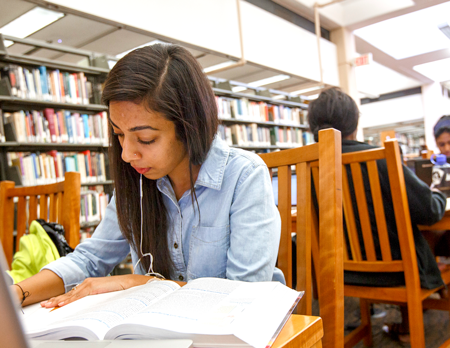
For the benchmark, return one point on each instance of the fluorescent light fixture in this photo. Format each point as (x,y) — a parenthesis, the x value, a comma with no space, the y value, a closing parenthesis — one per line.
(239,89)
(280,96)
(438,71)
(411,34)
(445,28)
(218,66)
(306,90)
(8,43)
(311,97)
(120,55)
(269,80)
(30,22)
(111,63)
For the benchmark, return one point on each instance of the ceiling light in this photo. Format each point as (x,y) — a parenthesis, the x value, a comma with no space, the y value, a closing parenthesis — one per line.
(30,22)
(438,71)
(120,55)
(306,90)
(281,96)
(311,97)
(218,66)
(239,89)
(445,28)
(417,32)
(8,43)
(269,80)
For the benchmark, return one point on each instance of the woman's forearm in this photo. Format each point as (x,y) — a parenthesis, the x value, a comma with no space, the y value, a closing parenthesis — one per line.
(41,286)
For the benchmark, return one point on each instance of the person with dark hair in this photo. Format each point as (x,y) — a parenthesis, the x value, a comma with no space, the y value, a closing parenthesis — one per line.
(335,109)
(442,135)
(185,204)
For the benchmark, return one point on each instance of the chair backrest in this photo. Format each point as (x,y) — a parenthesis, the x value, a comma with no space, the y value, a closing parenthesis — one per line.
(325,157)
(376,254)
(58,202)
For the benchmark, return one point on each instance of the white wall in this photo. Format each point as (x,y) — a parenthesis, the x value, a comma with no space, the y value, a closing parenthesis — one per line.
(212,24)
(391,111)
(274,42)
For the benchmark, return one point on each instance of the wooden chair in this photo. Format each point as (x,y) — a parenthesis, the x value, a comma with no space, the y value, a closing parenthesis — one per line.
(325,157)
(411,295)
(58,202)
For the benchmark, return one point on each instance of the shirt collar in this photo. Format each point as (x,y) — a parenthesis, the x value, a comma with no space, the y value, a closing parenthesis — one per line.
(212,170)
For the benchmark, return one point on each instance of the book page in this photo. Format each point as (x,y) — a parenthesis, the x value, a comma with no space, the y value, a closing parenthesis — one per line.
(97,313)
(204,306)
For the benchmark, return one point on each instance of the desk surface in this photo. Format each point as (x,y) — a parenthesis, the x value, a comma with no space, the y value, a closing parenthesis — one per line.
(300,331)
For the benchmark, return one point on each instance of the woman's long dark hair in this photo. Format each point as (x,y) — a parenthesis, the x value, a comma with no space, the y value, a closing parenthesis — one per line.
(333,109)
(166,79)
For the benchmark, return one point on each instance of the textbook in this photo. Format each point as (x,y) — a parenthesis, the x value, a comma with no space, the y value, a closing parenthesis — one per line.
(212,312)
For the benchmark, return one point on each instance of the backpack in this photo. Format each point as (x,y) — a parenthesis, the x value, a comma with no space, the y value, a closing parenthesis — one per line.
(56,233)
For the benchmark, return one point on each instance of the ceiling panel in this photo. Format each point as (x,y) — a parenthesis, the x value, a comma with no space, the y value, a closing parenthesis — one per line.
(117,42)
(209,60)
(11,9)
(18,49)
(73,30)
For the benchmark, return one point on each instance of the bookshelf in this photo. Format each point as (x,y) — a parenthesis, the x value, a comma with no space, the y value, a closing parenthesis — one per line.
(51,121)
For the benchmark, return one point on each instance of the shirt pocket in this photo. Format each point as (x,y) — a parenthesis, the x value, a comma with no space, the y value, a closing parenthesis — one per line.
(208,252)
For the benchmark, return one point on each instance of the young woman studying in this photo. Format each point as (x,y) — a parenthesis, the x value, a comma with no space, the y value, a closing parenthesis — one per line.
(185,204)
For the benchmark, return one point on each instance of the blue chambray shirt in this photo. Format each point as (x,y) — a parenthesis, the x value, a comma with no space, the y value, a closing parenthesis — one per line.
(237,237)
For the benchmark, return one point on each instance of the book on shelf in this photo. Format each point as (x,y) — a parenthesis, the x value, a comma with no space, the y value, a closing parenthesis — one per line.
(2,128)
(50,167)
(93,204)
(51,126)
(212,312)
(254,135)
(244,109)
(53,85)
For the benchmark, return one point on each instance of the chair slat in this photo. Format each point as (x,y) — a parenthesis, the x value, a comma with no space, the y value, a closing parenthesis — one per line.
(284,207)
(379,210)
(363,211)
(43,207)
(60,207)
(349,216)
(21,219)
(304,235)
(53,207)
(7,220)
(32,209)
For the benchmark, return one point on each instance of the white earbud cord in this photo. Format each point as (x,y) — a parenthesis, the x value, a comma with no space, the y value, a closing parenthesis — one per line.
(150,271)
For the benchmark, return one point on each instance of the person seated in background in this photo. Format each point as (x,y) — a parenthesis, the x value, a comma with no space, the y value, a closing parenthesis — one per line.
(440,240)
(335,109)
(442,135)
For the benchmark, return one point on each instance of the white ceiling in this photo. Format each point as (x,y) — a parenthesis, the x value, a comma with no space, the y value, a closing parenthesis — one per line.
(400,35)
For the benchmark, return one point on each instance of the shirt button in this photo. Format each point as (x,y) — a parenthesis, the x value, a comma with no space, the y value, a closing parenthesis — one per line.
(175,245)
(181,277)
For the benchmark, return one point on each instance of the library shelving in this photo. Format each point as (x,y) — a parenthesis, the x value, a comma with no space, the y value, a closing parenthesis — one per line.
(51,121)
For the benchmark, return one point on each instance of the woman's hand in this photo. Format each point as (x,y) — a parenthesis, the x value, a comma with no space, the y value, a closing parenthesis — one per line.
(94,286)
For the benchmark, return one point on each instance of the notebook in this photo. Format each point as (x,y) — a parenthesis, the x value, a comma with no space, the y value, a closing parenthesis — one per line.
(12,330)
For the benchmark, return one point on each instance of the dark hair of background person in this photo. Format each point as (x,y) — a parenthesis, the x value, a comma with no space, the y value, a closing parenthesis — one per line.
(442,126)
(333,109)
(167,79)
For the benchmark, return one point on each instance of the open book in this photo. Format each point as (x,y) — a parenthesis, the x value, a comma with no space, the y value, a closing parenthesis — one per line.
(212,312)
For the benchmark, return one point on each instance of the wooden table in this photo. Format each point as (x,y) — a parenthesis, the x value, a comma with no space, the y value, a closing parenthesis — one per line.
(443,224)
(300,331)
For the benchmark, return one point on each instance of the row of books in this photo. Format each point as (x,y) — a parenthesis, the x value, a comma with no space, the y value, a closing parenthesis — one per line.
(252,135)
(48,85)
(51,126)
(93,204)
(243,109)
(44,168)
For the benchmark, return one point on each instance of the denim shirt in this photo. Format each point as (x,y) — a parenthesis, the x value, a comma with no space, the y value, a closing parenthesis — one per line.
(236,237)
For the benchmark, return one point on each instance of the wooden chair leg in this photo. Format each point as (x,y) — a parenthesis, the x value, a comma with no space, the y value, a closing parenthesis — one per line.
(416,328)
(364,306)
